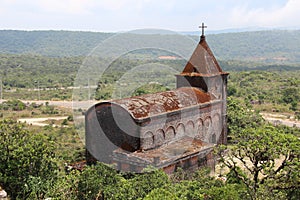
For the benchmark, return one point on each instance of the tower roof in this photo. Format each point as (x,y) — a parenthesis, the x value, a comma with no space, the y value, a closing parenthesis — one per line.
(202,61)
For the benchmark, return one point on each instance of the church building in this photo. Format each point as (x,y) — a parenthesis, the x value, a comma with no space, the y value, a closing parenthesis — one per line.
(176,128)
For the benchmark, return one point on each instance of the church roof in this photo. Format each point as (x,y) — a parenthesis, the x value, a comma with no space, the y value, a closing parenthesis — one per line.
(149,105)
(202,62)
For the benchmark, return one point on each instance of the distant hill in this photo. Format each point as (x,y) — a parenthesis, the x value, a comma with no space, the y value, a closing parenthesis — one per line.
(271,46)
(274,46)
(50,43)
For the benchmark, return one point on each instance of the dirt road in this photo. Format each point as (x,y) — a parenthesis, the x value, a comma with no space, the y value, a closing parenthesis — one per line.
(280,119)
(65,104)
(39,121)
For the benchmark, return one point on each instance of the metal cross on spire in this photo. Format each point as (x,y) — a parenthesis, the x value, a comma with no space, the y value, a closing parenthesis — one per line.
(202,27)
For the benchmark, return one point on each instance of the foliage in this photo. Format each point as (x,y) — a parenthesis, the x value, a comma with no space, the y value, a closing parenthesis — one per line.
(13,105)
(249,46)
(95,179)
(34,77)
(264,157)
(291,95)
(27,162)
(48,109)
(240,117)
(149,89)
(263,160)
(138,186)
(276,46)
(162,194)
(127,77)
(66,187)
(198,185)
(69,146)
(267,90)
(50,43)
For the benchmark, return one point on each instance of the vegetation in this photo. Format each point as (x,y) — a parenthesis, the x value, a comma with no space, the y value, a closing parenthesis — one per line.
(277,46)
(19,70)
(261,161)
(15,109)
(50,43)
(261,157)
(27,162)
(274,46)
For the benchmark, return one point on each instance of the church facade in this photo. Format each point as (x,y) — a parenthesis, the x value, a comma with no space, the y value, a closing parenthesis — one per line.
(171,129)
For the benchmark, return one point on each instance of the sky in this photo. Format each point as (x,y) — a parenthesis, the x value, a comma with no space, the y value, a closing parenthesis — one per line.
(126,15)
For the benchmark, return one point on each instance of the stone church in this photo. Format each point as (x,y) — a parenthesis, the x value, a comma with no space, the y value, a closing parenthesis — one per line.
(176,128)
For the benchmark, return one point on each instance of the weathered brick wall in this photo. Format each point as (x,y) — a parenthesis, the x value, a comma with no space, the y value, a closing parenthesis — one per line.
(202,122)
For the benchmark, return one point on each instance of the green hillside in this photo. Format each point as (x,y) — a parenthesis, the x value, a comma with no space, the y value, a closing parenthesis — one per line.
(49,43)
(277,46)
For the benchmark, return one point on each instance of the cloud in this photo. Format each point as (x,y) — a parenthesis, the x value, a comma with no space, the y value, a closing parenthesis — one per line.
(283,16)
(120,15)
(66,7)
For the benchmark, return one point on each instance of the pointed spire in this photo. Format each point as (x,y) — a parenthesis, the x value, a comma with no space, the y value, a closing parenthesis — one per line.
(202,61)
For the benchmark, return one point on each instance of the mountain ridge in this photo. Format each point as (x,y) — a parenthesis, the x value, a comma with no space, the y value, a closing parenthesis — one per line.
(269,46)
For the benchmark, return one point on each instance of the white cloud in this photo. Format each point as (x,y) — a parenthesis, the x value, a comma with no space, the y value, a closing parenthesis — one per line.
(119,15)
(283,16)
(66,6)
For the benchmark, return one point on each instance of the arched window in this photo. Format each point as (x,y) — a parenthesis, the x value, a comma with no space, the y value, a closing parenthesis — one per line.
(200,128)
(147,140)
(170,133)
(159,137)
(180,130)
(207,129)
(190,129)
(217,123)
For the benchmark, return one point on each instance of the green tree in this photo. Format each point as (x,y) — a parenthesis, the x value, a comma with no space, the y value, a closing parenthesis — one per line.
(66,187)
(290,94)
(27,161)
(95,179)
(138,186)
(162,194)
(240,117)
(149,88)
(265,159)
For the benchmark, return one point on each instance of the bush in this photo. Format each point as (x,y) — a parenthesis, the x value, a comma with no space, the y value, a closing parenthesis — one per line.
(27,164)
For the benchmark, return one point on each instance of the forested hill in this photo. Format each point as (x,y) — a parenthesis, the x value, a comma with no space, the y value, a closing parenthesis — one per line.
(275,46)
(50,43)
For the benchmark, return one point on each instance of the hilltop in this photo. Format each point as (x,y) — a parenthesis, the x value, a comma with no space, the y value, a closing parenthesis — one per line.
(49,43)
(270,46)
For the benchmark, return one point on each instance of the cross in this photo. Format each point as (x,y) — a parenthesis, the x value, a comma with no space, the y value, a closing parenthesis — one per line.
(203,27)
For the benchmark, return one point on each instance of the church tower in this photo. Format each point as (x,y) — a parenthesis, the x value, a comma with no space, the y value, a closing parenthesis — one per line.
(204,72)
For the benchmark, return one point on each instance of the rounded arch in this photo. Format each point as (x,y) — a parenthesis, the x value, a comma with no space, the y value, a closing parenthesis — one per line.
(190,127)
(217,121)
(216,116)
(148,140)
(200,128)
(159,137)
(207,123)
(207,129)
(170,133)
(180,130)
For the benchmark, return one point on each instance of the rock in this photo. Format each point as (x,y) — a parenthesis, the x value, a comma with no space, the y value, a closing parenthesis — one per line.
(3,194)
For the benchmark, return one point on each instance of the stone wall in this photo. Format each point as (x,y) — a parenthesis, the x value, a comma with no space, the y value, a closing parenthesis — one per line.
(204,123)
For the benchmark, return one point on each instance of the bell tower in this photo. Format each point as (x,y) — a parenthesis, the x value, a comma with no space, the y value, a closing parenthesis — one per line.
(204,72)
